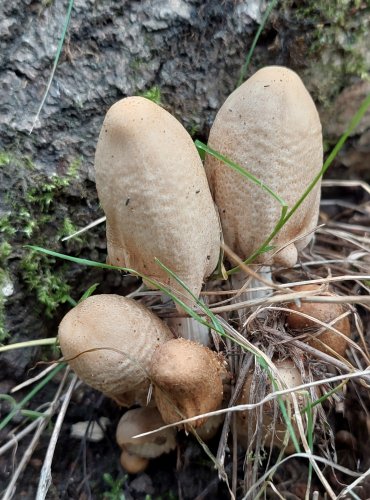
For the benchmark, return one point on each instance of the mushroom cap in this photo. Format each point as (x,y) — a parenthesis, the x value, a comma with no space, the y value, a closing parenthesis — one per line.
(138,421)
(133,464)
(188,380)
(154,192)
(270,126)
(325,312)
(273,430)
(129,334)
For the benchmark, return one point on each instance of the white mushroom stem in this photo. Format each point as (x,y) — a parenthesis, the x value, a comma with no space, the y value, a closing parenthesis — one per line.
(256,288)
(190,329)
(187,328)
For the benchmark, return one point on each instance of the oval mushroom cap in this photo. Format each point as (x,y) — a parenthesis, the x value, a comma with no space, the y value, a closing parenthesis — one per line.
(188,380)
(132,463)
(121,336)
(138,421)
(270,127)
(273,424)
(154,191)
(324,312)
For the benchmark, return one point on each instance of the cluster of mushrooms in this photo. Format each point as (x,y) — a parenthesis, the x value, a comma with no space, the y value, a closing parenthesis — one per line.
(162,204)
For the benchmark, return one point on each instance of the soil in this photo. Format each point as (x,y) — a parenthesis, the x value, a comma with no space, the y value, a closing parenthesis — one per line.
(192,51)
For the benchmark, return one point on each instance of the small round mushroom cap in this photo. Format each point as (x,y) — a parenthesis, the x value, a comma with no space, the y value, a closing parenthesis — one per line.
(273,425)
(154,192)
(188,380)
(133,464)
(138,421)
(120,336)
(324,312)
(269,126)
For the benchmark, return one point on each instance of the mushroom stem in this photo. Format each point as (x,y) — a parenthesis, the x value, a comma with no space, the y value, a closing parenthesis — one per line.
(190,329)
(185,327)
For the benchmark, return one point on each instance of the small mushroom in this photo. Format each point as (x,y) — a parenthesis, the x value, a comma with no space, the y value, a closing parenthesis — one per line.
(272,422)
(270,127)
(324,312)
(154,192)
(137,451)
(188,380)
(109,340)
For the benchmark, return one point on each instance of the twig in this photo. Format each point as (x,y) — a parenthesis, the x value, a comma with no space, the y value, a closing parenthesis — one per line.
(45,475)
(10,490)
(37,377)
(86,228)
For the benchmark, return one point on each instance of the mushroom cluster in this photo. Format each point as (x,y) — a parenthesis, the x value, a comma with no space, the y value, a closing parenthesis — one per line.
(162,222)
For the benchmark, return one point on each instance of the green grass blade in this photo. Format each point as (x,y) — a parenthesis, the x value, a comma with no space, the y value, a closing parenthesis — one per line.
(59,50)
(28,343)
(30,395)
(200,303)
(238,168)
(245,66)
(91,263)
(339,145)
(89,292)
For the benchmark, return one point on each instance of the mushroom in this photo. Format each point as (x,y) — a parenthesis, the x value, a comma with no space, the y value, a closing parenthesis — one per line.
(270,126)
(109,340)
(137,451)
(327,341)
(154,192)
(188,380)
(271,421)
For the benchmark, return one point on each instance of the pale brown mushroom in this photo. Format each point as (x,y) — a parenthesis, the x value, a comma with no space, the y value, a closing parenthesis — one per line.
(137,451)
(188,380)
(272,423)
(327,341)
(109,340)
(154,192)
(270,127)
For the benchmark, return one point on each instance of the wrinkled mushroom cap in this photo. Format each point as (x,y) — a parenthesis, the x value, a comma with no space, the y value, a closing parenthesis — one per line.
(324,312)
(188,380)
(153,189)
(138,421)
(273,429)
(128,333)
(270,126)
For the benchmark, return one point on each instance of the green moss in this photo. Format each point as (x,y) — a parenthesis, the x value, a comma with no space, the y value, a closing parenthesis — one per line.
(336,33)
(31,216)
(48,283)
(153,94)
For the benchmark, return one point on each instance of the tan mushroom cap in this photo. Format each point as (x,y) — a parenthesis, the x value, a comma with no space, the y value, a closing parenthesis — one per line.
(133,464)
(138,421)
(273,424)
(154,192)
(188,380)
(324,312)
(269,126)
(129,334)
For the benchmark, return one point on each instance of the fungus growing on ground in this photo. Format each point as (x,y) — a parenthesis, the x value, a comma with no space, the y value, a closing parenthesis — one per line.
(188,380)
(154,192)
(137,452)
(324,312)
(271,421)
(269,126)
(120,336)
